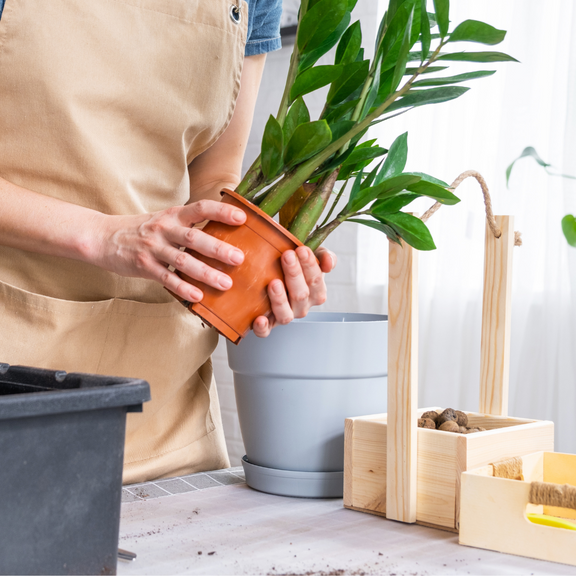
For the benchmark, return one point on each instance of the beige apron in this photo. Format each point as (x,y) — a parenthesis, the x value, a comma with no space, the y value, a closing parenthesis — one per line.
(104,104)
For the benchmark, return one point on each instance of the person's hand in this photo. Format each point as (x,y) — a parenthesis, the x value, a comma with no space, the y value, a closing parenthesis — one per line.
(146,245)
(304,287)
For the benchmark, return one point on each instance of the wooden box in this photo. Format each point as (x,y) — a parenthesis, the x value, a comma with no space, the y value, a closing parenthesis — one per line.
(442,457)
(493,510)
(410,474)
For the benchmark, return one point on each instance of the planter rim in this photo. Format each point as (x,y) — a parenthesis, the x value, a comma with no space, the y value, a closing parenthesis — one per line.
(340,318)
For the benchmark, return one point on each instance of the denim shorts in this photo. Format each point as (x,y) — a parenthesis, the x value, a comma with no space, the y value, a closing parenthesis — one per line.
(263,26)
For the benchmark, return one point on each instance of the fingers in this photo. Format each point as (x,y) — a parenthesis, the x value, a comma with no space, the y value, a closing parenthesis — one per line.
(281,308)
(262,326)
(210,210)
(205,244)
(327,258)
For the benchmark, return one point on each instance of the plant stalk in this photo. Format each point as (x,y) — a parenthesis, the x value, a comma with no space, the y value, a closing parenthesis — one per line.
(315,240)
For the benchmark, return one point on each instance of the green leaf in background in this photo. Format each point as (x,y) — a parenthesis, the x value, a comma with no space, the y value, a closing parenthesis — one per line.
(272,144)
(431,96)
(349,45)
(373,93)
(454,79)
(528,151)
(377,225)
(434,191)
(475,31)
(341,111)
(298,114)
(400,67)
(394,37)
(352,77)
(396,159)
(569,229)
(319,23)
(411,229)
(310,58)
(380,191)
(381,208)
(307,140)
(442,9)
(351,5)
(340,128)
(477,57)
(425,30)
(314,78)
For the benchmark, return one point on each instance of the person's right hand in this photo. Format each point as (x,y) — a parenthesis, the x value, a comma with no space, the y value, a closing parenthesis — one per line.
(146,245)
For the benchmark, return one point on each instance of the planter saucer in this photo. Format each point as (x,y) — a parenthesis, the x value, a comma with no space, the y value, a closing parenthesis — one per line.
(294,483)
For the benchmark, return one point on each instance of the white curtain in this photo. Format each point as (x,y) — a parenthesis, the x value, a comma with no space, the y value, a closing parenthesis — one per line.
(531,103)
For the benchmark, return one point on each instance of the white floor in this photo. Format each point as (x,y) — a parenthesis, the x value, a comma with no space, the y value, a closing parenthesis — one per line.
(236,530)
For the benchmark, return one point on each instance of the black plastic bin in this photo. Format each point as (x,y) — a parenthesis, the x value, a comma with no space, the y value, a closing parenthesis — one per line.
(61,454)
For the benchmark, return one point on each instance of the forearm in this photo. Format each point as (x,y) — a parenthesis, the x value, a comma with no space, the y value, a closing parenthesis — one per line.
(38,223)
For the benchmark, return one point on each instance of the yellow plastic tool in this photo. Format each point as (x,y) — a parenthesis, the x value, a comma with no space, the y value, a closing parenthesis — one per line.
(551,521)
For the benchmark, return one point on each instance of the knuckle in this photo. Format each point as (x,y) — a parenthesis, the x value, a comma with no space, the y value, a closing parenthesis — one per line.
(141,260)
(191,235)
(165,278)
(285,319)
(180,260)
(300,296)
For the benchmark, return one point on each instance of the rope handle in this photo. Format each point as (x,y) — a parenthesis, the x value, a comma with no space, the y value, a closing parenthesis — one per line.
(541,493)
(487,202)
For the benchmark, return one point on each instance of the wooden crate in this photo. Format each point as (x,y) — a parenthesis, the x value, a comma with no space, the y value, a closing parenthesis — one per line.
(441,458)
(410,474)
(493,510)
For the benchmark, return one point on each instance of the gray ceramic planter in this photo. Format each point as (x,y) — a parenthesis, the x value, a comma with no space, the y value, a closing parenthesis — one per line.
(294,390)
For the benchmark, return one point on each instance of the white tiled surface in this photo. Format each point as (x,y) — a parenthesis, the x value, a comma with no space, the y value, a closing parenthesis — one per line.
(342,281)
(236,530)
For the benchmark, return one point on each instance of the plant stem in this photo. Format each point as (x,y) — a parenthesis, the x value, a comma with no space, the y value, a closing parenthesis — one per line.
(288,185)
(252,179)
(316,239)
(312,209)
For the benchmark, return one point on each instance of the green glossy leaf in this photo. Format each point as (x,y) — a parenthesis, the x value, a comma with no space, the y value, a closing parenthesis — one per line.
(349,45)
(424,30)
(381,208)
(477,57)
(454,79)
(431,96)
(298,114)
(434,191)
(396,158)
(429,70)
(310,58)
(411,229)
(373,93)
(569,229)
(359,159)
(352,5)
(382,190)
(352,78)
(394,37)
(313,79)
(271,152)
(319,23)
(442,9)
(380,226)
(342,111)
(475,31)
(400,67)
(307,140)
(340,128)
(369,180)
(428,178)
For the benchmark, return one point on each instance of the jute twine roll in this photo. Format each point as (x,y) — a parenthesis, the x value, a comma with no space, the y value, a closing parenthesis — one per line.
(548,494)
(487,202)
(510,468)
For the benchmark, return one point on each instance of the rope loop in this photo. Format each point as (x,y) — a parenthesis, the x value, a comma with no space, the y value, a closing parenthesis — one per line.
(487,203)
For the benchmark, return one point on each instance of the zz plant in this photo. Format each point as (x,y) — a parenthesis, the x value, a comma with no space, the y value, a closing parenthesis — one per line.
(302,161)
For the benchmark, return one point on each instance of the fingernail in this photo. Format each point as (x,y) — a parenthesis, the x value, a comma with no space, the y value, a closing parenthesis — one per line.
(236,257)
(290,257)
(277,287)
(225,282)
(238,216)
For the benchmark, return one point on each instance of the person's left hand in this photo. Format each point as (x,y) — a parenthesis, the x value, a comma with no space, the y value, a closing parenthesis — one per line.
(304,287)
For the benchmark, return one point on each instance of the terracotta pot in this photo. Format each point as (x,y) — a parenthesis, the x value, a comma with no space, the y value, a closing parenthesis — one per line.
(263,242)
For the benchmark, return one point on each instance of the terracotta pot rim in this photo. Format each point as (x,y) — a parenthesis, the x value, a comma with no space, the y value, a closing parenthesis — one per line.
(262,214)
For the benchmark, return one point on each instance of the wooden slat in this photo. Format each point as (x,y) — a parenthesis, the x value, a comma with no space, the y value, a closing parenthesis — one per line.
(401,473)
(496,315)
